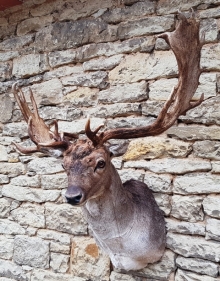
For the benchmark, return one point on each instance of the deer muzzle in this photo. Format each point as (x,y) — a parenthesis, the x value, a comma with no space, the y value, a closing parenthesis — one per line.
(74,195)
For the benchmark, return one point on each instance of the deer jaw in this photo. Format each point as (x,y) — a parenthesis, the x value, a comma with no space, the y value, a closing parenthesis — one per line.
(87,168)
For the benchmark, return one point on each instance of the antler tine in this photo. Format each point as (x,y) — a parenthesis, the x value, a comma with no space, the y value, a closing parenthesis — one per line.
(184,42)
(92,135)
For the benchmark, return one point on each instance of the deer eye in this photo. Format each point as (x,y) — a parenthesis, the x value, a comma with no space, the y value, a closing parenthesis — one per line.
(100,164)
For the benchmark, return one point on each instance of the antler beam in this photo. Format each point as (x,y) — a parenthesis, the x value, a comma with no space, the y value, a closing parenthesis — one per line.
(185,44)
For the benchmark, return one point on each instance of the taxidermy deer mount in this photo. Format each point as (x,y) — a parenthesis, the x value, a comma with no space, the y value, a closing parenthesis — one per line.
(124,218)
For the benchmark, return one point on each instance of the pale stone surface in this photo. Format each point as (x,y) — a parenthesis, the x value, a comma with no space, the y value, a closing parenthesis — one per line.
(170,165)
(28,65)
(24,180)
(207,149)
(188,208)
(164,6)
(209,13)
(5,207)
(83,96)
(58,58)
(198,265)
(115,276)
(11,169)
(46,165)
(11,270)
(133,92)
(5,70)
(16,43)
(59,248)
(59,262)
(183,227)
(161,269)
(212,229)
(3,154)
(88,260)
(210,28)
(15,130)
(10,227)
(158,183)
(196,184)
(191,246)
(55,181)
(144,26)
(6,107)
(144,66)
(6,247)
(211,205)
(29,214)
(164,202)
(65,218)
(56,113)
(183,275)
(161,88)
(31,251)
(30,194)
(56,236)
(39,275)
(215,166)
(192,132)
(102,63)
(8,55)
(127,174)
(209,57)
(64,71)
(156,147)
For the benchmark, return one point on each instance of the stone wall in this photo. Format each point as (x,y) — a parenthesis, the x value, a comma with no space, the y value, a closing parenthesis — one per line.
(102,58)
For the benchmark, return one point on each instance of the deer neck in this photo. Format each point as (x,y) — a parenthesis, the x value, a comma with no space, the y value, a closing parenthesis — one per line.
(110,214)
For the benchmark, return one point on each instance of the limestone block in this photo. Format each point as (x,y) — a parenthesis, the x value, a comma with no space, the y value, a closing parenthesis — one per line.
(212,229)
(59,248)
(192,132)
(16,43)
(64,71)
(29,214)
(183,227)
(6,247)
(191,246)
(209,57)
(156,147)
(127,174)
(5,71)
(215,167)
(161,269)
(53,235)
(55,181)
(6,108)
(139,9)
(7,30)
(211,206)
(3,154)
(10,227)
(45,165)
(115,110)
(164,7)
(210,28)
(88,260)
(58,58)
(151,108)
(59,262)
(9,269)
(33,24)
(11,169)
(56,113)
(164,202)
(5,207)
(31,251)
(65,35)
(210,13)
(142,66)
(196,184)
(65,218)
(158,183)
(207,149)
(15,129)
(45,9)
(39,275)
(30,194)
(206,113)
(115,276)
(187,208)
(95,79)
(28,65)
(161,88)
(84,96)
(78,126)
(124,93)
(183,275)
(102,63)
(170,165)
(144,26)
(4,179)
(18,16)
(6,56)
(24,180)
(161,45)
(198,265)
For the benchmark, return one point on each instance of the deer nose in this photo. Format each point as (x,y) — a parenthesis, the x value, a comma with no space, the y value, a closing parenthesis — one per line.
(74,196)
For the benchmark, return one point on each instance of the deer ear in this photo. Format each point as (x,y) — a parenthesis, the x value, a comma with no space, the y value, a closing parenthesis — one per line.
(117,147)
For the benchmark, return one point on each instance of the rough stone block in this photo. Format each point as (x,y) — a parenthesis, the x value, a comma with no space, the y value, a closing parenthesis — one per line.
(56,113)
(4,179)
(196,184)
(16,43)
(164,6)
(39,275)
(115,276)
(60,249)
(31,251)
(59,262)
(11,270)
(12,169)
(88,260)
(183,275)
(212,229)
(9,227)
(53,235)
(58,58)
(102,63)
(127,174)
(63,71)
(83,96)
(210,28)
(187,208)
(158,183)
(5,207)
(15,129)
(6,56)
(207,149)
(26,181)
(215,167)
(211,206)
(65,218)
(45,166)
(29,65)
(6,247)
(209,57)
(210,13)
(164,202)
(3,154)
(183,227)
(5,71)
(55,181)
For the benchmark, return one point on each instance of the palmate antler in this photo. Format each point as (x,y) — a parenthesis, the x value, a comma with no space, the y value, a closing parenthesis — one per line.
(185,44)
(38,131)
